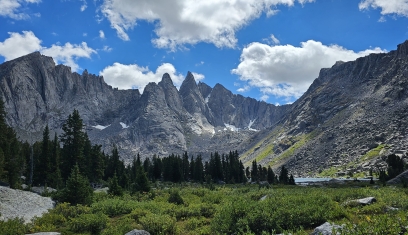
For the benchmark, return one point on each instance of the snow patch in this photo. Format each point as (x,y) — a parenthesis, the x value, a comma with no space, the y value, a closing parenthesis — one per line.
(231,127)
(208,98)
(123,125)
(251,122)
(100,127)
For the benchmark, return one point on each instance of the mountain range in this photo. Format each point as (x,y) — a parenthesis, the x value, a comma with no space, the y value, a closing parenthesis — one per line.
(353,114)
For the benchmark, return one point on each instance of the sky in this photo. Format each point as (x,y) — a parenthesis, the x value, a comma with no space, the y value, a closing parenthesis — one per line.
(270,50)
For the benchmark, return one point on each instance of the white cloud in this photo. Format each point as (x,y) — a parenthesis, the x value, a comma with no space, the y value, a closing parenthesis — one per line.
(271,40)
(11,8)
(69,53)
(181,22)
(287,71)
(135,76)
(85,34)
(21,44)
(84,5)
(399,7)
(106,48)
(101,34)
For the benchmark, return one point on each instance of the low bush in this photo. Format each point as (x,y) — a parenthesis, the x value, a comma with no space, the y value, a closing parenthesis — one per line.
(13,227)
(114,207)
(159,224)
(175,198)
(93,223)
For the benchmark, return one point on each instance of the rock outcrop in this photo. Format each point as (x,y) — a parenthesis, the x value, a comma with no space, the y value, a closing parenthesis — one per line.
(22,204)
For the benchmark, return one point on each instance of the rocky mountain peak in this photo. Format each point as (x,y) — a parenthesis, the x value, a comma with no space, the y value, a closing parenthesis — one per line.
(166,79)
(402,50)
(189,84)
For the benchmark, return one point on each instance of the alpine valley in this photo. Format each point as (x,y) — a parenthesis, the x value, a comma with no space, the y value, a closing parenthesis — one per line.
(351,117)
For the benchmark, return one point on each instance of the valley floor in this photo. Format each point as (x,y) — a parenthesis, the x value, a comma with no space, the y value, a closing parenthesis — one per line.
(230,209)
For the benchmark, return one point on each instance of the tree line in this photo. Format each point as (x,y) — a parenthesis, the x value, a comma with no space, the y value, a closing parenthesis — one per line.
(55,161)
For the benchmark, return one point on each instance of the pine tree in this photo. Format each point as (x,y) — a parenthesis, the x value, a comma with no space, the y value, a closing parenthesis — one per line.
(56,178)
(270,175)
(283,176)
(43,168)
(291,180)
(73,140)
(77,190)
(114,187)
(254,172)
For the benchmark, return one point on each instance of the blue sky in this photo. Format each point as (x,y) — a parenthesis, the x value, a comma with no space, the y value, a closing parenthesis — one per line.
(271,50)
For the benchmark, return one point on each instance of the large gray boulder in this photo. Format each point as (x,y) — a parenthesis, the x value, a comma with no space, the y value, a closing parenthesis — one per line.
(326,229)
(137,232)
(22,204)
(361,202)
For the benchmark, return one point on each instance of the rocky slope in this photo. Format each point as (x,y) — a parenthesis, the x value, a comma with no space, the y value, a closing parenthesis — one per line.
(352,115)
(161,121)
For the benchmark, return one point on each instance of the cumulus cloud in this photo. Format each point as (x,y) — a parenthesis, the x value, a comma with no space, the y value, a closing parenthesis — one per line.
(399,7)
(181,22)
(101,34)
(69,53)
(134,76)
(286,70)
(11,8)
(21,44)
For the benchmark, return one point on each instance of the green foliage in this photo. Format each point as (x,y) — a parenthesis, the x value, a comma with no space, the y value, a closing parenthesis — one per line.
(159,224)
(175,198)
(114,187)
(13,227)
(114,207)
(77,190)
(93,223)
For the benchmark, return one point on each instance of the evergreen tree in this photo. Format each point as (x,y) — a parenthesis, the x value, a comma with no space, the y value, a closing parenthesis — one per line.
(56,178)
(291,180)
(77,190)
(43,168)
(73,140)
(254,172)
(270,175)
(185,167)
(395,166)
(283,176)
(114,187)
(157,168)
(142,183)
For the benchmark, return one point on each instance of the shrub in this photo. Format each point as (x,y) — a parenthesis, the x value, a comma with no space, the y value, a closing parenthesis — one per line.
(93,223)
(175,198)
(114,207)
(13,227)
(120,226)
(68,211)
(159,224)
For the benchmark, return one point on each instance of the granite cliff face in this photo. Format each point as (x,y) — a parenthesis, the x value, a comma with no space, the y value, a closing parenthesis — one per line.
(351,117)
(161,121)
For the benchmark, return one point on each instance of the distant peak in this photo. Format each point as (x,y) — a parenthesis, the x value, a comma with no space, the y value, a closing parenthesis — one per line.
(166,79)
(190,77)
(402,49)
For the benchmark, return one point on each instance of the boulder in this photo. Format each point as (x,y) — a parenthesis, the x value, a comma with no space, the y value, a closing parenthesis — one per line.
(138,232)
(326,229)
(361,202)
(22,204)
